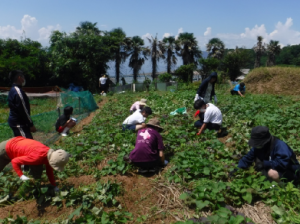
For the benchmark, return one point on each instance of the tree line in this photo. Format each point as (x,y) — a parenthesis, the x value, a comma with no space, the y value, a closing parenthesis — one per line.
(82,56)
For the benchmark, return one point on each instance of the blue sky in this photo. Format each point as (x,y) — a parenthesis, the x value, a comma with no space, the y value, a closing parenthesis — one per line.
(235,22)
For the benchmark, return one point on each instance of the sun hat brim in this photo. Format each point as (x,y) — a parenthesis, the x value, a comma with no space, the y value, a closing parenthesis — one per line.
(157,126)
(259,142)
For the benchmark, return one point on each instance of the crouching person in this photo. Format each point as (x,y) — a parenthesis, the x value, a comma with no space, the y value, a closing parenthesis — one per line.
(210,116)
(148,153)
(239,89)
(136,121)
(273,157)
(138,105)
(22,151)
(65,122)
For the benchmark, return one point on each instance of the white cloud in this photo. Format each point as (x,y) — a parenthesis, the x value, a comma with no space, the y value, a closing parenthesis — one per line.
(180,30)
(167,35)
(208,31)
(147,35)
(29,28)
(283,32)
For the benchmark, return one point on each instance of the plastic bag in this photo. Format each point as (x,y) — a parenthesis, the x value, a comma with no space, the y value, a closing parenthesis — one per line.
(181,110)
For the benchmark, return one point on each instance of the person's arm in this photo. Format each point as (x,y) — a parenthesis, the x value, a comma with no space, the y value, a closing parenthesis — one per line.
(162,156)
(99,83)
(247,160)
(239,92)
(49,172)
(282,157)
(203,127)
(25,160)
(202,87)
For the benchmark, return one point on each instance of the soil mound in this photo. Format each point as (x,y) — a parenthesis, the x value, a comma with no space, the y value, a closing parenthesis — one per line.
(274,80)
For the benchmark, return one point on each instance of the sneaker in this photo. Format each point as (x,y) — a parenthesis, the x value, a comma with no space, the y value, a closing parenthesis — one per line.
(64,134)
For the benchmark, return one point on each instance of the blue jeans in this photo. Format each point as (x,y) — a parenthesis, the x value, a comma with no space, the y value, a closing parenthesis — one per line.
(130,127)
(210,126)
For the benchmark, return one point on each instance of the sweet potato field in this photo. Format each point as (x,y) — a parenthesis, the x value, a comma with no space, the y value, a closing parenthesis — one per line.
(97,186)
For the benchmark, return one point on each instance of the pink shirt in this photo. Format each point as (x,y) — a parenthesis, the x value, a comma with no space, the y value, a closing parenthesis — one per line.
(135,106)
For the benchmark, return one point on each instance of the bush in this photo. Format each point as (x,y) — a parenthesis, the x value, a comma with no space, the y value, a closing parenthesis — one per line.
(185,72)
(165,77)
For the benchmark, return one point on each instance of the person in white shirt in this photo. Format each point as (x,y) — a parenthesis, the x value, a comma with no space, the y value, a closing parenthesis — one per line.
(102,84)
(136,120)
(212,116)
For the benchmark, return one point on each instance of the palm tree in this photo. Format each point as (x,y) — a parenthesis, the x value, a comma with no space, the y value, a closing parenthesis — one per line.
(88,28)
(273,49)
(169,47)
(120,48)
(259,50)
(157,52)
(138,53)
(216,48)
(187,48)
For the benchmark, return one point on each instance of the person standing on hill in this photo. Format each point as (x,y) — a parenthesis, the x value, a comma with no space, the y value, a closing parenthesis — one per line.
(273,157)
(239,89)
(22,151)
(102,84)
(210,116)
(19,115)
(207,89)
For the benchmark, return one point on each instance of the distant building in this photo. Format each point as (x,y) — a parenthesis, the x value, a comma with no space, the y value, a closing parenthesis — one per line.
(244,72)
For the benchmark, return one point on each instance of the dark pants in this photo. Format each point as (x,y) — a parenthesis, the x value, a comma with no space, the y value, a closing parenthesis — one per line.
(233,92)
(103,88)
(130,127)
(209,126)
(148,165)
(22,131)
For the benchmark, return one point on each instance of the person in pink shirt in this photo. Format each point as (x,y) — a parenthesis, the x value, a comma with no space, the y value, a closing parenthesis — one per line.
(138,105)
(23,151)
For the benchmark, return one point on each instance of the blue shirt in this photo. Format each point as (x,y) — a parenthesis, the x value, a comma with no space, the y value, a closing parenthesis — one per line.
(238,88)
(281,157)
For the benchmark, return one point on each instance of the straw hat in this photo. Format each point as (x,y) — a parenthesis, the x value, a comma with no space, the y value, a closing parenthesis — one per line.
(154,122)
(143,102)
(58,159)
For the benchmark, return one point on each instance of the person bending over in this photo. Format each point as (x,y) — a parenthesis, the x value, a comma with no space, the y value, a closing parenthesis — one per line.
(210,116)
(22,151)
(207,89)
(138,105)
(148,153)
(273,157)
(136,121)
(19,115)
(239,89)
(65,122)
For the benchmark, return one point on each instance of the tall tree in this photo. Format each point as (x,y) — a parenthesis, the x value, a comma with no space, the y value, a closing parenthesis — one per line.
(259,50)
(216,48)
(87,27)
(169,49)
(156,52)
(273,49)
(119,48)
(137,53)
(187,48)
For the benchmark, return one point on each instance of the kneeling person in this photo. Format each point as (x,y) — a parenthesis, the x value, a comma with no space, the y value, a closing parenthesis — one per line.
(65,122)
(148,152)
(136,121)
(273,157)
(210,116)
(239,89)
(22,151)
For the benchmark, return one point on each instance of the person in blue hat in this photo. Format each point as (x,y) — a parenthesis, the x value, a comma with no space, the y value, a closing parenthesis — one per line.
(273,157)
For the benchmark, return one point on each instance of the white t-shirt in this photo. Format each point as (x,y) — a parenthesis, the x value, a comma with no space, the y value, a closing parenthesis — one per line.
(103,80)
(135,118)
(208,93)
(213,115)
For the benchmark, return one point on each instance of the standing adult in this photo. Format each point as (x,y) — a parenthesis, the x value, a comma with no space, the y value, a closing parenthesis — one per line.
(207,89)
(19,115)
(102,84)
(22,151)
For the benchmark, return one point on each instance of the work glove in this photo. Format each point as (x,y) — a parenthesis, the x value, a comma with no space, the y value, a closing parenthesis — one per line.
(259,166)
(24,178)
(231,173)
(216,100)
(197,113)
(56,189)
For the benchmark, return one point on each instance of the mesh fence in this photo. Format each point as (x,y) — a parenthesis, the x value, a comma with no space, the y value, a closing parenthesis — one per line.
(82,102)
(140,87)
